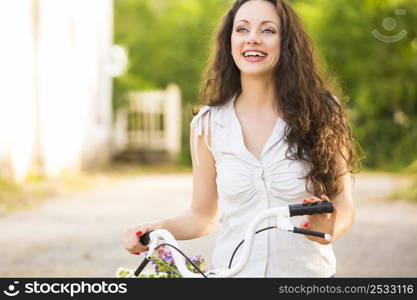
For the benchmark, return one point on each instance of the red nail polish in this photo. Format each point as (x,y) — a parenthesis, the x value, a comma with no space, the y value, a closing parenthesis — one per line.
(139,233)
(137,253)
(312,199)
(306,224)
(305,201)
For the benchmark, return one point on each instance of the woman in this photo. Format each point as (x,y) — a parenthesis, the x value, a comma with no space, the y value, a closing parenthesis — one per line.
(270,134)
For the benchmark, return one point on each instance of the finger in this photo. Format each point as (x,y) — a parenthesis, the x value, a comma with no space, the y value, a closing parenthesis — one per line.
(328,216)
(317,240)
(324,197)
(139,250)
(308,200)
(305,225)
(139,234)
(335,209)
(333,213)
(314,200)
(133,244)
(144,248)
(139,246)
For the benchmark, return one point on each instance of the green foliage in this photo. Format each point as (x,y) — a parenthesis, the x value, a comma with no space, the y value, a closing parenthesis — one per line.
(169,41)
(378,77)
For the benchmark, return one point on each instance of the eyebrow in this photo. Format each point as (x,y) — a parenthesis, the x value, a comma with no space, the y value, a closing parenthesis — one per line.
(263,22)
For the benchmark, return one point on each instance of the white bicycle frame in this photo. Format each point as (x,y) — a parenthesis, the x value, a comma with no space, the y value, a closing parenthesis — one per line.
(283,223)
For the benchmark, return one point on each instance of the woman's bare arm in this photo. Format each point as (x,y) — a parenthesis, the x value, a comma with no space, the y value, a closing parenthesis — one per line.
(200,218)
(340,221)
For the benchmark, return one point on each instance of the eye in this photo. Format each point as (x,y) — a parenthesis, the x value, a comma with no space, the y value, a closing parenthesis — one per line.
(270,31)
(241,29)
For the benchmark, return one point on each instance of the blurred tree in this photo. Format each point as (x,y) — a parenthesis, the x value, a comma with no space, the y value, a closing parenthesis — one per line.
(378,76)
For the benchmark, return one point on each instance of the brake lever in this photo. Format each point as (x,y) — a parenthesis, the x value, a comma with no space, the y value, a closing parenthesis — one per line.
(326,236)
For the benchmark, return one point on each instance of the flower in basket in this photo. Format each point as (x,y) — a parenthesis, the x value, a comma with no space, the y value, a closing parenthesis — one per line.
(164,266)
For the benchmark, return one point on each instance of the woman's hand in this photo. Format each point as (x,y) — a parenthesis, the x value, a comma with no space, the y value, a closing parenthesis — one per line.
(320,222)
(131,238)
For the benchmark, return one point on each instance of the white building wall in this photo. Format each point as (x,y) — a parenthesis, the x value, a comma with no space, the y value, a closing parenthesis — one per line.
(56,103)
(17,88)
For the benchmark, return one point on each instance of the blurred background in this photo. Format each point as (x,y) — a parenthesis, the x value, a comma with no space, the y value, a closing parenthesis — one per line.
(96,103)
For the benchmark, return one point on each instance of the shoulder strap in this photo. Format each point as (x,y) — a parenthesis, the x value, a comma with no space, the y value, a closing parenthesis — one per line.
(200,123)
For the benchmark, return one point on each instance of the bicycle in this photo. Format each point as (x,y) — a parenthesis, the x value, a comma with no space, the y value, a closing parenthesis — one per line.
(283,214)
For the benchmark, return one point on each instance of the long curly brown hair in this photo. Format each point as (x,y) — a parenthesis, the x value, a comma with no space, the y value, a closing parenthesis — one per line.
(316,130)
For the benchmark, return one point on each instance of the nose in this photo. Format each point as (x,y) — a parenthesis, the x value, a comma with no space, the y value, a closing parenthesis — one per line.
(253,38)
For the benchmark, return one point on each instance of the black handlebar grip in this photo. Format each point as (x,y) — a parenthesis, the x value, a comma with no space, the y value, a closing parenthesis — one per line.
(144,239)
(311,208)
(309,232)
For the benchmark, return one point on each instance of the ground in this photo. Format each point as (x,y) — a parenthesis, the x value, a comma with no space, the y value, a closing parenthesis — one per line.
(81,235)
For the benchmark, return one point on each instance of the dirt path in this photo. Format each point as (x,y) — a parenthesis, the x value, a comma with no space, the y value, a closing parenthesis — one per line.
(81,236)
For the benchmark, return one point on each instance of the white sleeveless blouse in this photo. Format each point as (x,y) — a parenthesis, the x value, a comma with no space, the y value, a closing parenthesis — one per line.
(247,186)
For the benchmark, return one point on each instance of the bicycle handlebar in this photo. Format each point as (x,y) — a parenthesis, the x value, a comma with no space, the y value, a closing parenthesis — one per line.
(295,210)
(144,238)
(310,208)
(283,214)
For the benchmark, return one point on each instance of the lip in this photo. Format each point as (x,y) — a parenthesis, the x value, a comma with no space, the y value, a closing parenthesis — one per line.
(254,58)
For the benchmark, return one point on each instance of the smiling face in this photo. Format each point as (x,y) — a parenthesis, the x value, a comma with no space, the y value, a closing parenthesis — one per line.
(255,38)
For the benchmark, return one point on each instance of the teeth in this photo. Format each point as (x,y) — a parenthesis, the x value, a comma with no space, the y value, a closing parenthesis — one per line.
(254,53)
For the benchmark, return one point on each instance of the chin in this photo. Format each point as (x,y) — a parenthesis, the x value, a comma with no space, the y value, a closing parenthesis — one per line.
(255,71)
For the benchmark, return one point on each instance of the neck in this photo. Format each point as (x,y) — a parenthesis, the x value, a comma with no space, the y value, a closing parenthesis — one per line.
(258,93)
